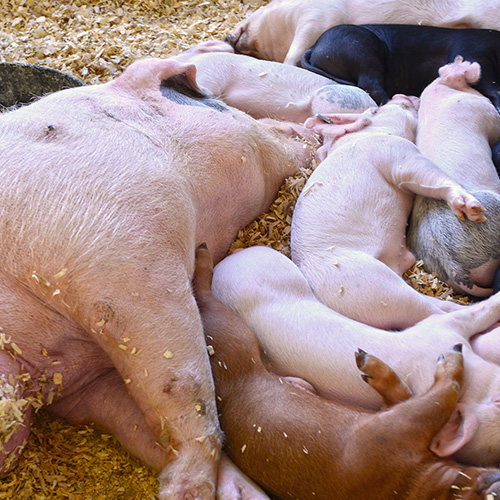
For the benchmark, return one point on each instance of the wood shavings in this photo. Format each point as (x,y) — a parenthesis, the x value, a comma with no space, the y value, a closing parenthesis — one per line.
(12,409)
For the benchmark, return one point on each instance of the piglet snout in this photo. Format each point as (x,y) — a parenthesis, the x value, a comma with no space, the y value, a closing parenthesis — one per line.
(489,485)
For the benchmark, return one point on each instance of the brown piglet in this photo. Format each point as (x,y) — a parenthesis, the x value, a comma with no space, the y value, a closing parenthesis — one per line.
(296,444)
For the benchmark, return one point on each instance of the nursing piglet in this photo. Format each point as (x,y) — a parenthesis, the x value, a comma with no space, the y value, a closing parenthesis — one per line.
(457,126)
(297,444)
(301,337)
(267,89)
(107,190)
(349,223)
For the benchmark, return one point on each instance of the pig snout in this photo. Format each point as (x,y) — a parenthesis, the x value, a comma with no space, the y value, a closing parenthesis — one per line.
(489,485)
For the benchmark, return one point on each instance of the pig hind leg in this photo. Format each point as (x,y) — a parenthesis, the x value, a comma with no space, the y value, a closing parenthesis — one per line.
(154,338)
(382,378)
(359,286)
(106,402)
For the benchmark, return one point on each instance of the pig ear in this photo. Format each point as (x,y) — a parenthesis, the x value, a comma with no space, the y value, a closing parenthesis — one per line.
(149,73)
(455,433)
(182,73)
(341,124)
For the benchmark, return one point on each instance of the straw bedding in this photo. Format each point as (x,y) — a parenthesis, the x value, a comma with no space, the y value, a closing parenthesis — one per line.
(95,40)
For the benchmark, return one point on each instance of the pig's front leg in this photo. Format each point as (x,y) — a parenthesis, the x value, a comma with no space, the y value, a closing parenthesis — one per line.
(154,337)
(423,177)
(343,279)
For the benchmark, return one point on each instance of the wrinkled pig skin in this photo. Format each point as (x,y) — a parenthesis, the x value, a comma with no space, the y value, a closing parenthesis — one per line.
(107,191)
(349,222)
(457,127)
(284,29)
(297,444)
(267,89)
(301,337)
(385,59)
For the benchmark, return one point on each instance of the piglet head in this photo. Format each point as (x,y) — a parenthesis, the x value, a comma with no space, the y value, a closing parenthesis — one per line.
(259,35)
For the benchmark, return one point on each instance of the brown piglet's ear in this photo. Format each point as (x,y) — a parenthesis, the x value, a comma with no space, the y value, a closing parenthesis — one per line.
(459,429)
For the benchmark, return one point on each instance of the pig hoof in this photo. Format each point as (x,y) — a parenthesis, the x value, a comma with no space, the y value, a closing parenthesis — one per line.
(360,358)
(450,367)
(233,484)
(382,378)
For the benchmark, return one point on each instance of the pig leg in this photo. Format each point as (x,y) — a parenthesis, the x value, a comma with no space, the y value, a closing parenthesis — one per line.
(382,378)
(15,410)
(469,321)
(107,403)
(424,415)
(233,484)
(361,287)
(154,337)
(421,176)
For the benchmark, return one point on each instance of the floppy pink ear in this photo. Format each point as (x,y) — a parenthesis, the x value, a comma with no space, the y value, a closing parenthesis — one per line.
(338,124)
(455,433)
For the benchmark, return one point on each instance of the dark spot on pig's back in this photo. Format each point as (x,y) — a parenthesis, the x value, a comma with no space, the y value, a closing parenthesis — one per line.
(177,91)
(344,96)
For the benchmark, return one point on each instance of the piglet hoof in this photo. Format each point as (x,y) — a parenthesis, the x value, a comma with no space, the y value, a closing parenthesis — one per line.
(465,205)
(233,484)
(202,279)
(382,378)
(450,366)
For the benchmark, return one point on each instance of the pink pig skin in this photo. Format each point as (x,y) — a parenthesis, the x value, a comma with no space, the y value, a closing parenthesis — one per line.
(106,192)
(267,89)
(301,337)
